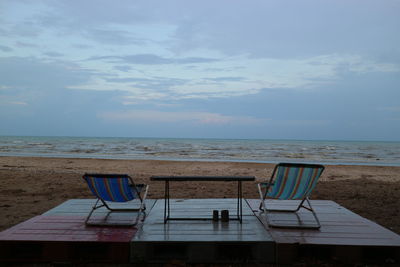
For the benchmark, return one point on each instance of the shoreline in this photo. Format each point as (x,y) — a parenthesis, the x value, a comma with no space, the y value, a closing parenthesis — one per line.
(327,163)
(33,185)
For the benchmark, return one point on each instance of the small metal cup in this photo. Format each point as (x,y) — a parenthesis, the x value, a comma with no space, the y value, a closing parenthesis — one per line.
(225,215)
(215,215)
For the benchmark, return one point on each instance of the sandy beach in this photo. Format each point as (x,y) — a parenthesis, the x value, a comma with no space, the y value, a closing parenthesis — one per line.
(31,186)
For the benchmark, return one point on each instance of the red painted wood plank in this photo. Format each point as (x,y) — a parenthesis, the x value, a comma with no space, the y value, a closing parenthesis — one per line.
(68,228)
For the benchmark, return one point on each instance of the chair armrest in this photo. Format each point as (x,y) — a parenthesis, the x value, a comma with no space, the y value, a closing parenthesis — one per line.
(265,184)
(139,187)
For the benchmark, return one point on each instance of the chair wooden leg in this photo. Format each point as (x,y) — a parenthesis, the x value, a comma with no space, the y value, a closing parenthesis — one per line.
(262,199)
(90,213)
(314,213)
(140,210)
(143,204)
(301,205)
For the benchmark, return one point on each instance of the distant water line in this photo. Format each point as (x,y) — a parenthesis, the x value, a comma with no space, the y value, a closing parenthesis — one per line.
(271,151)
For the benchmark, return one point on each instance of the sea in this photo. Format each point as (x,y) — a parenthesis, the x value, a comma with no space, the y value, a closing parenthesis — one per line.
(198,149)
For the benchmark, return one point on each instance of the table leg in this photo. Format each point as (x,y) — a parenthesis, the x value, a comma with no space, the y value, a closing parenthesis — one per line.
(166,201)
(168,214)
(240,200)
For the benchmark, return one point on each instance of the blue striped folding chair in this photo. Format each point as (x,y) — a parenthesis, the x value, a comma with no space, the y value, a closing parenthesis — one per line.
(291,181)
(108,188)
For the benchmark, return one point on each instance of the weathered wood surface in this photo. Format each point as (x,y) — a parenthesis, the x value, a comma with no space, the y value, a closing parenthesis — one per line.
(82,207)
(61,235)
(155,230)
(65,229)
(339,226)
(66,223)
(202,241)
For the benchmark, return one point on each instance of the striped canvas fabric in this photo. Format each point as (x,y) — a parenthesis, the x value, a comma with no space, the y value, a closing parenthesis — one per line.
(115,189)
(294,182)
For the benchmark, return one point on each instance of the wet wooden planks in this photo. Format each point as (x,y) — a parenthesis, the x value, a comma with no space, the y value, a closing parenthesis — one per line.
(202,240)
(60,235)
(82,207)
(339,226)
(66,229)
(342,231)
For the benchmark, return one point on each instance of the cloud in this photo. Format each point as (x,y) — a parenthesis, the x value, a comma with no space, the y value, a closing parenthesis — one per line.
(151,59)
(124,68)
(226,79)
(343,63)
(302,122)
(263,29)
(156,83)
(5,48)
(176,117)
(53,54)
(193,60)
(26,44)
(99,12)
(393,109)
(21,103)
(276,29)
(83,46)
(259,74)
(34,73)
(114,37)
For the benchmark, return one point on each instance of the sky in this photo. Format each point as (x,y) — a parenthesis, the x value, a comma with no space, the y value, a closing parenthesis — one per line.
(307,69)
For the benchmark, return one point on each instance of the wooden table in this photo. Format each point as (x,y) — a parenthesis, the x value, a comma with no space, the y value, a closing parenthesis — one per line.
(167,179)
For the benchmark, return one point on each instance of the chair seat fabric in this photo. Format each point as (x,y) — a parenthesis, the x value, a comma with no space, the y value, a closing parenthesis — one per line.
(294,182)
(115,190)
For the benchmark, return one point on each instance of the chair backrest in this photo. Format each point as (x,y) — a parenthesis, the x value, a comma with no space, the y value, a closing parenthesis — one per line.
(112,187)
(294,180)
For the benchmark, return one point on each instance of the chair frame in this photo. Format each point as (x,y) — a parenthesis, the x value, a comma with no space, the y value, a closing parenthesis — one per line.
(103,203)
(263,196)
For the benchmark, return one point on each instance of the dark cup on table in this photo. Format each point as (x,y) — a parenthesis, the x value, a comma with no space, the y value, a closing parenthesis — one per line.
(225,215)
(215,216)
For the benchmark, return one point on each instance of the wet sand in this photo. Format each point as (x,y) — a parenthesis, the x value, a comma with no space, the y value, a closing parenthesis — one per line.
(30,186)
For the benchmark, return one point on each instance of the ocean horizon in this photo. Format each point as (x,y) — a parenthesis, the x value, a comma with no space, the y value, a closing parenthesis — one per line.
(384,153)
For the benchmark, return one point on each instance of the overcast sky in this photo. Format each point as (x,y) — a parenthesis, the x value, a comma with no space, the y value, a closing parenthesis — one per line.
(213,69)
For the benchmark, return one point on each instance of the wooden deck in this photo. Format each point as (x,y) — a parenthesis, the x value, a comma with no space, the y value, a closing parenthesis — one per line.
(202,240)
(343,233)
(60,235)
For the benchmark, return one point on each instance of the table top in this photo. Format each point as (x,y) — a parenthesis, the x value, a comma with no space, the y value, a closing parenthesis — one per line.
(202,178)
